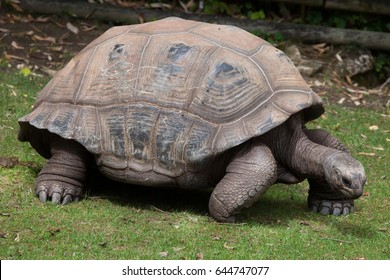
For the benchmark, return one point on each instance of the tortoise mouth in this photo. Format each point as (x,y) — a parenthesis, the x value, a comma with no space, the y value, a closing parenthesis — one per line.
(351,192)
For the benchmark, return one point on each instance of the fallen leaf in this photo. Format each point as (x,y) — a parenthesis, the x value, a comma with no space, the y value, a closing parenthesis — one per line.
(388,139)
(338,57)
(373,127)
(17,237)
(367,154)
(72,28)
(199,256)
(163,254)
(54,230)
(4,30)
(341,101)
(227,246)
(375,148)
(321,48)
(318,83)
(42,19)
(304,223)
(10,56)
(48,71)
(56,48)
(25,71)
(158,6)
(46,39)
(88,28)
(16,46)
(15,5)
(177,249)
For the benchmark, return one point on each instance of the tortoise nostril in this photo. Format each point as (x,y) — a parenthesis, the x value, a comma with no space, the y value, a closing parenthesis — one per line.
(346,182)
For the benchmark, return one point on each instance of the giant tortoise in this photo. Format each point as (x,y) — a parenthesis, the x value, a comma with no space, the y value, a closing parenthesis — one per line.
(192,105)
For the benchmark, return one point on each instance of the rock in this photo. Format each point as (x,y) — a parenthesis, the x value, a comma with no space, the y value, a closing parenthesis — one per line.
(305,66)
(352,62)
(310,67)
(294,54)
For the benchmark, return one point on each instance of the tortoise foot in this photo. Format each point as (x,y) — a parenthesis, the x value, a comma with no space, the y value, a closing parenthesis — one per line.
(331,207)
(58,192)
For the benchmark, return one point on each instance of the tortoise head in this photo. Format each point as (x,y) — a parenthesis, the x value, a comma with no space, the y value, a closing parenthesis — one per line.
(345,175)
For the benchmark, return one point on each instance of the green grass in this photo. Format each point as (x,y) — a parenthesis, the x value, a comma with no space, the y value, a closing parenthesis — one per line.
(122,222)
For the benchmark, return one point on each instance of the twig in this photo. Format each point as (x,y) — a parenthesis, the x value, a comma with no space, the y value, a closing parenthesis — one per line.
(159,210)
(337,240)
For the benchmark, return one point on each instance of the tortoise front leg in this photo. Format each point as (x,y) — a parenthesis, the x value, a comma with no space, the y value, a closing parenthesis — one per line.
(251,172)
(62,178)
(321,198)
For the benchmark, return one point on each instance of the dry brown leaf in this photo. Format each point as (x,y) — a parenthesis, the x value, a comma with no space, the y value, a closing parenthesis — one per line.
(87,28)
(321,48)
(10,57)
(189,4)
(163,254)
(56,48)
(373,127)
(48,71)
(177,249)
(42,19)
(199,256)
(225,245)
(72,28)
(46,39)
(158,6)
(367,154)
(14,4)
(379,148)
(16,46)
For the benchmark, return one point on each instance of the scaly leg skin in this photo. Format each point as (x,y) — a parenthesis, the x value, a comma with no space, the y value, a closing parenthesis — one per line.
(321,197)
(61,179)
(251,172)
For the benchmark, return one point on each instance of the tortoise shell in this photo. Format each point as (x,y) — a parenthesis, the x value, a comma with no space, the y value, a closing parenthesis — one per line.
(170,95)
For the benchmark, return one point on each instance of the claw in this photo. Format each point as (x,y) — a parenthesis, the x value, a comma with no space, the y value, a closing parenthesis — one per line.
(67,199)
(42,196)
(56,198)
(325,210)
(337,211)
(347,210)
(326,207)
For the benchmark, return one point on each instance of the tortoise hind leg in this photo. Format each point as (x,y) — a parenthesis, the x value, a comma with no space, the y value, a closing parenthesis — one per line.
(251,172)
(321,198)
(62,178)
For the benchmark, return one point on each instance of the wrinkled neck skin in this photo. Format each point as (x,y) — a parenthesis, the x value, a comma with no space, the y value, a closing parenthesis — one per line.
(293,150)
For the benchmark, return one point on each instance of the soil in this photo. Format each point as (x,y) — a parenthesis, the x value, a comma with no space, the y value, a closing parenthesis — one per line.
(41,45)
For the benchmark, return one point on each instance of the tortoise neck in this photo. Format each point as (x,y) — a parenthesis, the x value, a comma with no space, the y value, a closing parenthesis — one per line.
(307,158)
(295,151)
